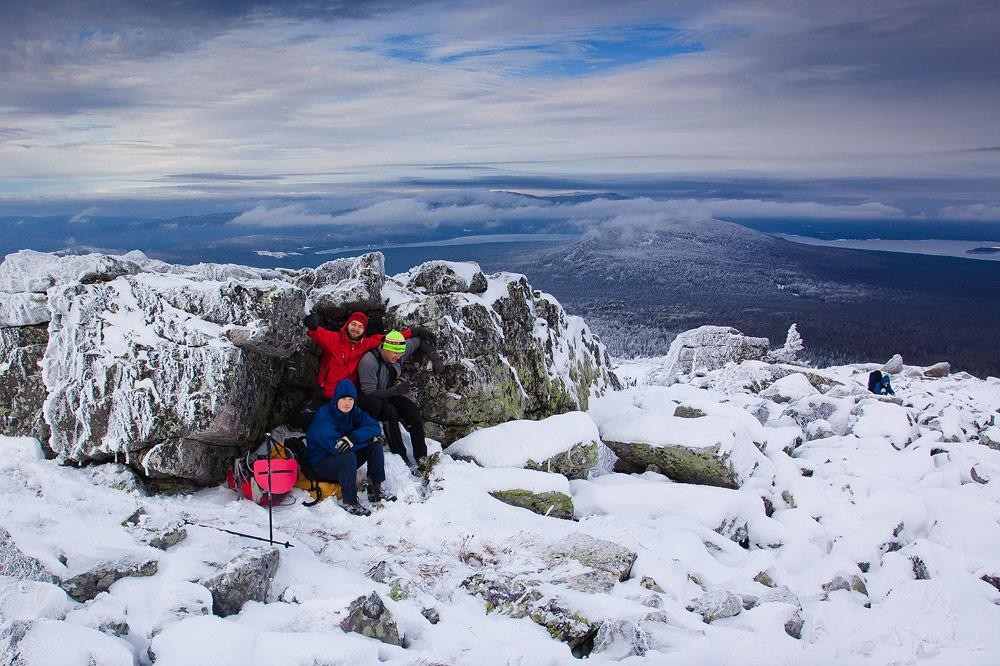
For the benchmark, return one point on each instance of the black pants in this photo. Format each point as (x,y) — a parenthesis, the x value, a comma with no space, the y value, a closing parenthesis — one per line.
(343,468)
(392,411)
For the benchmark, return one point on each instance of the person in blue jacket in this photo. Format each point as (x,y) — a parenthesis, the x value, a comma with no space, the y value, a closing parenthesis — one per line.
(340,440)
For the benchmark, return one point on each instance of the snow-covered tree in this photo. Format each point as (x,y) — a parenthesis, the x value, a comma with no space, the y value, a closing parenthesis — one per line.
(793,345)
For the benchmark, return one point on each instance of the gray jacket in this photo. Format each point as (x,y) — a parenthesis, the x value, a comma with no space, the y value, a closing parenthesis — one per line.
(376,375)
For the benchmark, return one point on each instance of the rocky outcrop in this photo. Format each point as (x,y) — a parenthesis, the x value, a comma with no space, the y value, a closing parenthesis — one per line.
(510,353)
(708,348)
(176,370)
(368,616)
(247,577)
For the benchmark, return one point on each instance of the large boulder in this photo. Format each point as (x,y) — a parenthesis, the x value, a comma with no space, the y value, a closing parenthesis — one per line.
(443,277)
(510,353)
(146,363)
(597,554)
(247,577)
(368,616)
(708,348)
(713,450)
(566,444)
(342,286)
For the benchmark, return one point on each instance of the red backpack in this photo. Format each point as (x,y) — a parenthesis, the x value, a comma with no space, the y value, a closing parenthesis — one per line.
(266,474)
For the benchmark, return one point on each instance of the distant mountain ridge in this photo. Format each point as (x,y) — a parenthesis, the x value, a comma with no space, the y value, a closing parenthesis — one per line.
(850,305)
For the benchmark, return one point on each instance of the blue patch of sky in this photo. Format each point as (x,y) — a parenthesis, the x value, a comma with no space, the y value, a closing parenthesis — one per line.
(585,54)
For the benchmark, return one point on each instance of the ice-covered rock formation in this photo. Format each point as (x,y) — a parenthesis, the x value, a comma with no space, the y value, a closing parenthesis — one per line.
(175,369)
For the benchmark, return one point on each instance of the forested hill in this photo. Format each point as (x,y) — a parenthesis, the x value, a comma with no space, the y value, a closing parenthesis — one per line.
(851,305)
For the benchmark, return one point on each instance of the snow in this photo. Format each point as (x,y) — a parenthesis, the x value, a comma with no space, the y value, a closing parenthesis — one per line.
(514,443)
(889,485)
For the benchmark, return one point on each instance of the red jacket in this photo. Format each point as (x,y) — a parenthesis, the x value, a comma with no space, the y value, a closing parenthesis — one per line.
(341,355)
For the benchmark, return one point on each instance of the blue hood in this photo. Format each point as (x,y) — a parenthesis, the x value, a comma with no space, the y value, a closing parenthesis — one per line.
(345,387)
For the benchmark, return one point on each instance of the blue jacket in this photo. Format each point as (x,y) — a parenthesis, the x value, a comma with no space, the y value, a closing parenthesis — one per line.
(330,424)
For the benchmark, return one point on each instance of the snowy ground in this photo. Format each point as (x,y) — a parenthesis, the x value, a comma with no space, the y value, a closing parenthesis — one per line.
(883,490)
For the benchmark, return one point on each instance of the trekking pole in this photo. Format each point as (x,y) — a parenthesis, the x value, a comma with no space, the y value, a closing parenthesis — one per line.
(270,493)
(239,534)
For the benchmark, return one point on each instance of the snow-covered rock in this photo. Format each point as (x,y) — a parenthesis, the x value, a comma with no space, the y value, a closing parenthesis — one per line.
(711,450)
(510,353)
(443,277)
(893,366)
(942,369)
(566,444)
(707,348)
(244,578)
(368,616)
(176,370)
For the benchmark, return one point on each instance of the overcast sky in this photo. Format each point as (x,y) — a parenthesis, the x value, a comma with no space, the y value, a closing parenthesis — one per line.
(110,99)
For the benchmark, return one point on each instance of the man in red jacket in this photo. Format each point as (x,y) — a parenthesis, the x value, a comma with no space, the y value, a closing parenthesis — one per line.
(341,349)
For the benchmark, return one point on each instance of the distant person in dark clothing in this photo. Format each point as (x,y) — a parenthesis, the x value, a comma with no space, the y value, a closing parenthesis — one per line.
(341,438)
(879,383)
(385,393)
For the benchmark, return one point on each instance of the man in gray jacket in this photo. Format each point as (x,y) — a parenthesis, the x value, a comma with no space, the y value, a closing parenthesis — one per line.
(385,394)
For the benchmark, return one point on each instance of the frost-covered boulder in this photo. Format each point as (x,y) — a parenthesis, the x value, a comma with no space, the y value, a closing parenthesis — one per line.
(160,369)
(712,450)
(247,577)
(176,370)
(368,616)
(566,444)
(28,271)
(23,309)
(342,286)
(510,353)
(22,389)
(708,348)
(22,599)
(443,277)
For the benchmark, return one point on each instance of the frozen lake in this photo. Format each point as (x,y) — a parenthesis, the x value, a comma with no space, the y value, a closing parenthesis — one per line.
(944,248)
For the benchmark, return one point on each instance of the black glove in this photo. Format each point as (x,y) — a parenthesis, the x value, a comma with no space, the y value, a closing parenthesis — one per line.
(311,321)
(437,365)
(423,334)
(402,387)
(344,444)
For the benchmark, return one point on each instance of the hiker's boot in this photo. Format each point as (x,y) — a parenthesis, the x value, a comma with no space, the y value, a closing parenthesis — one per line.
(376,494)
(357,509)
